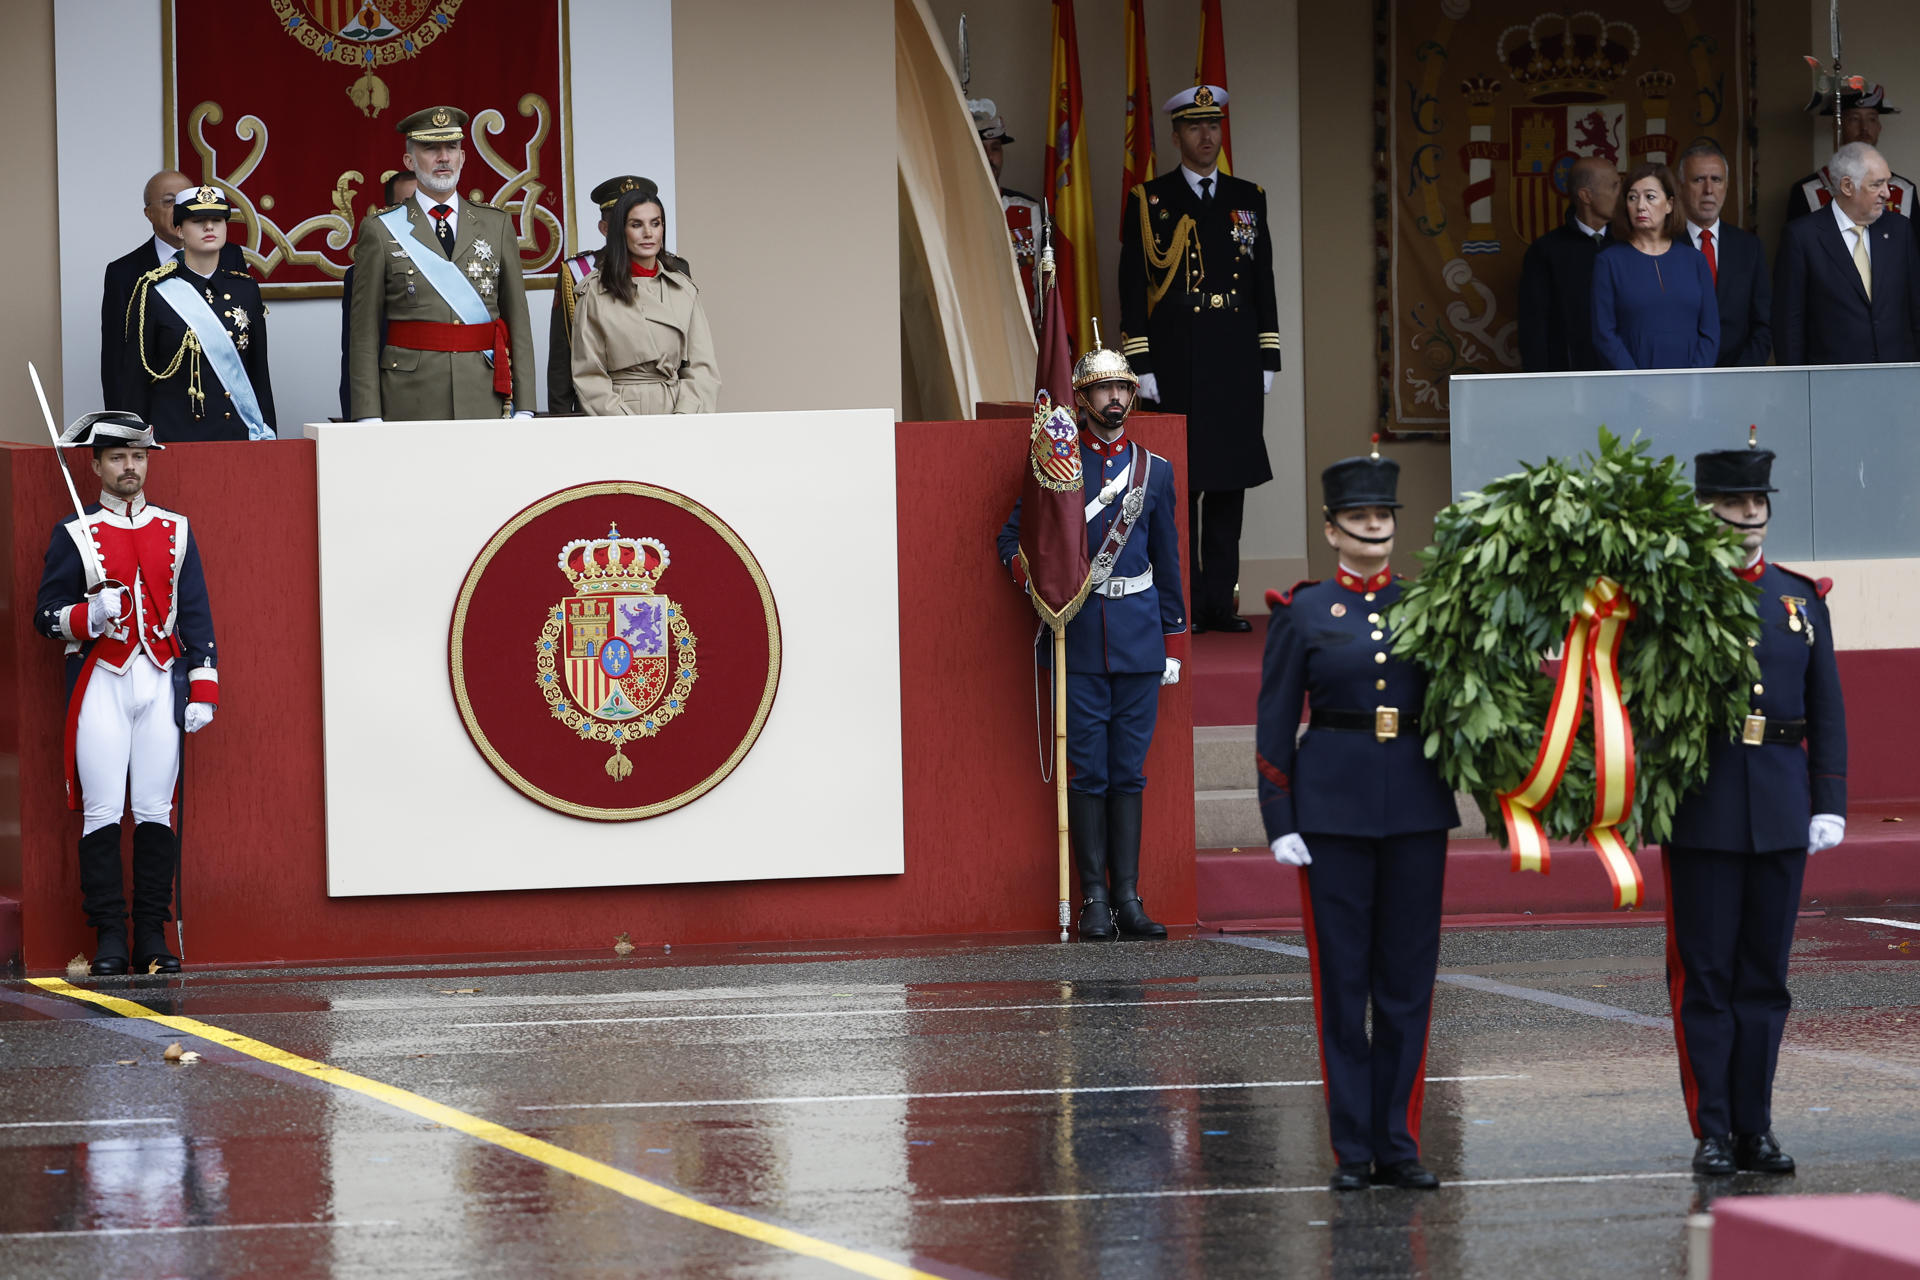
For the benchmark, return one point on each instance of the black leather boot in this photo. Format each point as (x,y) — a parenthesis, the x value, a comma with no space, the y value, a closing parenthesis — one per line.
(1087,830)
(103,898)
(153,864)
(1123,856)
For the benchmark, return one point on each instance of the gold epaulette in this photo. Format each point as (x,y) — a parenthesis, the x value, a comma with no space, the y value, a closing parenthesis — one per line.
(567,299)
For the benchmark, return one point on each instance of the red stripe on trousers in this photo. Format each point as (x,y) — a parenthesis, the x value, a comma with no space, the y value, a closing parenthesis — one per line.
(1417,1100)
(1676,988)
(1313,968)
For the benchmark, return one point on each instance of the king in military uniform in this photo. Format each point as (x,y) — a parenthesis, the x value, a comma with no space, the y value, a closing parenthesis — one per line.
(1738,851)
(1201,327)
(561,396)
(1127,640)
(122,589)
(440,276)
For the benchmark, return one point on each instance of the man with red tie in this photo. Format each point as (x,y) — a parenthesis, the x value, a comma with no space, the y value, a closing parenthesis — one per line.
(440,277)
(1735,257)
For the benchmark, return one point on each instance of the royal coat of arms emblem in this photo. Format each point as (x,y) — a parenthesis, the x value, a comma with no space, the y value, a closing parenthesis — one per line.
(615,660)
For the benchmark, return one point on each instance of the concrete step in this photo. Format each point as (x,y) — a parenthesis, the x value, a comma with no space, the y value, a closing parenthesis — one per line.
(1226,803)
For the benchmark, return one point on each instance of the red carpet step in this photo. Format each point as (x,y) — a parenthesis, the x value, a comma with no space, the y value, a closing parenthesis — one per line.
(1246,890)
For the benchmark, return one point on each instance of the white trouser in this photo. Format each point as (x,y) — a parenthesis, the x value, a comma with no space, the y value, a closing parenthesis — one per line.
(127,735)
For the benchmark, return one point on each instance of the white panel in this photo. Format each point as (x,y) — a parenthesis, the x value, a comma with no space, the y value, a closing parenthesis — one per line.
(621,62)
(412,807)
(622,103)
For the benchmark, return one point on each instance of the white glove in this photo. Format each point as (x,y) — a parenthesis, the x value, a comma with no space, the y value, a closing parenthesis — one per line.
(1825,831)
(1172,674)
(1266,382)
(372,419)
(103,610)
(1291,851)
(1149,388)
(523,413)
(199,716)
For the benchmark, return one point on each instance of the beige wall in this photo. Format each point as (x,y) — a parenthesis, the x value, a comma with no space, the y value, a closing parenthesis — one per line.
(784,157)
(30,322)
(1011,48)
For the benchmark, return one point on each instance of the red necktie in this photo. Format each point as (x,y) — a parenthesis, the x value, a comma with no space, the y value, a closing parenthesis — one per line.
(1713,261)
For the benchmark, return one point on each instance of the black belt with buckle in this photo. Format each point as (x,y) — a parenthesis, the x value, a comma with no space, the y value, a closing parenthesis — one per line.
(1382,722)
(1757,730)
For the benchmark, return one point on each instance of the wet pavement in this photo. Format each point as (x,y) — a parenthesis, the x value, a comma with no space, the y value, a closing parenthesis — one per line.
(962,1108)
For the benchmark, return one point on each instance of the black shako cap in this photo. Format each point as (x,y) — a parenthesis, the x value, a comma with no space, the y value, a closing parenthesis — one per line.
(1360,482)
(1733,471)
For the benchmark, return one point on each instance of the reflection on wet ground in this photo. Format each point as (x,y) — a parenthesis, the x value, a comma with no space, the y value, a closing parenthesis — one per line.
(968,1108)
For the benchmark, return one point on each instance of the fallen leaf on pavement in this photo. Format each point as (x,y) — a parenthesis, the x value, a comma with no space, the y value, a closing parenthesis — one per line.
(461,991)
(77,967)
(174,1052)
(126,1062)
(189,1056)
(622,945)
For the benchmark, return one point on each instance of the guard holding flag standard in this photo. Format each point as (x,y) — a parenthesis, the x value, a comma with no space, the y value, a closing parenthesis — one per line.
(1115,590)
(194,364)
(123,590)
(1738,851)
(1201,327)
(440,277)
(1363,813)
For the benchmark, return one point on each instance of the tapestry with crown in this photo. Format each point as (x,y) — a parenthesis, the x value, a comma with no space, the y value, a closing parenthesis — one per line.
(289,107)
(614,651)
(1482,108)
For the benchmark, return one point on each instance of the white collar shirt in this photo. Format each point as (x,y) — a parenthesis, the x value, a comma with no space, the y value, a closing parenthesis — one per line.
(1694,229)
(1194,179)
(162,250)
(427,204)
(1593,233)
(1852,232)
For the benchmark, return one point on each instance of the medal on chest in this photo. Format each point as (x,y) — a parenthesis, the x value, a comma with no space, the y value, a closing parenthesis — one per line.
(1797,619)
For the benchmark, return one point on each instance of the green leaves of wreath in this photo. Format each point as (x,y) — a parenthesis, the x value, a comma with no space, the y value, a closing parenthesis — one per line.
(1496,591)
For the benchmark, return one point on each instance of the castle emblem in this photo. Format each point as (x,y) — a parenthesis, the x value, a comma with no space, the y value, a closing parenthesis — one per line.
(615,660)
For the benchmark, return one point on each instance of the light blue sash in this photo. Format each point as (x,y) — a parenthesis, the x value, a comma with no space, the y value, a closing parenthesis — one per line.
(447,280)
(217,344)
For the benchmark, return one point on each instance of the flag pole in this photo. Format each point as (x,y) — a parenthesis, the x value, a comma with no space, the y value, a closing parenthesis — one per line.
(1060,770)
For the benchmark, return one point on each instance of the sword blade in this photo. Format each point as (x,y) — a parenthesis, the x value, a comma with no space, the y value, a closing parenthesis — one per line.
(79,509)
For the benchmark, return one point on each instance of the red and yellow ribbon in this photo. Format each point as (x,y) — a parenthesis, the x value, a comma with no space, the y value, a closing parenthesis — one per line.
(1592,650)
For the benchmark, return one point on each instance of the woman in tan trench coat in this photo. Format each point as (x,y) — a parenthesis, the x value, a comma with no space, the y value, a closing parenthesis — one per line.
(641,343)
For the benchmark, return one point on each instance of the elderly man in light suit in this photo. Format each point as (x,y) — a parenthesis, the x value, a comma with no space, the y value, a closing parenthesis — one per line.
(440,276)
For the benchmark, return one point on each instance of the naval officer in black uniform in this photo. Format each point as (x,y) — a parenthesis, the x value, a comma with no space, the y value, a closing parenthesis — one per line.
(1128,640)
(1201,326)
(1364,814)
(1738,852)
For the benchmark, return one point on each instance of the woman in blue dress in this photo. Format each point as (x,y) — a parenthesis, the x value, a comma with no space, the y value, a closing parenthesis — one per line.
(1653,300)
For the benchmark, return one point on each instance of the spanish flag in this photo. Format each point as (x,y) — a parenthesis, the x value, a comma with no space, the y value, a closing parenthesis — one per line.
(1137,165)
(1210,67)
(1069,186)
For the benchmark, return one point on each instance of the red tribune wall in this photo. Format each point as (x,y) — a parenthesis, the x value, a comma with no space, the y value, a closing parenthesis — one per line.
(979,821)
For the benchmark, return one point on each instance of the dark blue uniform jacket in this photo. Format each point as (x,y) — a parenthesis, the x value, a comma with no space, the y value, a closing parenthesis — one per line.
(1758,799)
(1327,644)
(1131,635)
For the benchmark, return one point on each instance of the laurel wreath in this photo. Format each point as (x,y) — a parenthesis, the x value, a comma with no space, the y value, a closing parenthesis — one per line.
(1505,574)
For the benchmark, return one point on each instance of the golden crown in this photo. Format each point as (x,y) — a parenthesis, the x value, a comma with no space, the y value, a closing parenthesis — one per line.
(604,566)
(1566,58)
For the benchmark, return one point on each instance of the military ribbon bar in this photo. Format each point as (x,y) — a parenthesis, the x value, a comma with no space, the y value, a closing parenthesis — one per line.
(1592,652)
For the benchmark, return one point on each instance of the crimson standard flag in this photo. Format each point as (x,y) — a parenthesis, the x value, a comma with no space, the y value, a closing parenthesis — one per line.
(1053,527)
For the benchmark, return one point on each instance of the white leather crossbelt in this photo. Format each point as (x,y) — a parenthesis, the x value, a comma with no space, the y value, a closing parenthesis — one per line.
(1114,588)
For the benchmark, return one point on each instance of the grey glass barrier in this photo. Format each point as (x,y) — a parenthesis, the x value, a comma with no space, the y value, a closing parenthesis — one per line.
(1847,439)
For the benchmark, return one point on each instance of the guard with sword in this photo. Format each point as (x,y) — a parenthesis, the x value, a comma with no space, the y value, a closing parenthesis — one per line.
(123,590)
(1094,541)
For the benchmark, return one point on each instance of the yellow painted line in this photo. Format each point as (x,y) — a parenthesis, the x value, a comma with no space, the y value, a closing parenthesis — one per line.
(620,1181)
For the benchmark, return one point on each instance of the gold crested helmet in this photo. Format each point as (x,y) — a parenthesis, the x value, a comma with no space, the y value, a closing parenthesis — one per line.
(1102,364)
